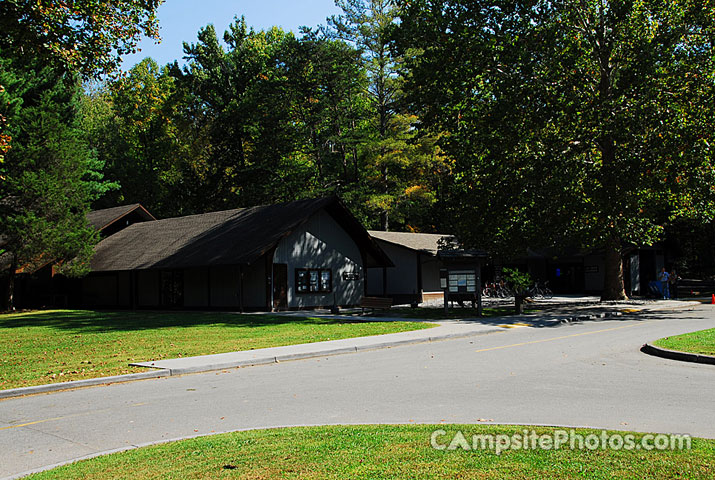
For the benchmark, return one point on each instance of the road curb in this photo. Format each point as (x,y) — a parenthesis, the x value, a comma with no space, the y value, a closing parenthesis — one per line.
(160,372)
(90,382)
(677,355)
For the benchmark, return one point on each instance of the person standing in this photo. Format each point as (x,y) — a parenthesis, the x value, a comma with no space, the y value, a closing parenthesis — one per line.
(673,284)
(663,278)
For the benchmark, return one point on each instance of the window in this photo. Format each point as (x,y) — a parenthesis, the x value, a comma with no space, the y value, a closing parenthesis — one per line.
(313,280)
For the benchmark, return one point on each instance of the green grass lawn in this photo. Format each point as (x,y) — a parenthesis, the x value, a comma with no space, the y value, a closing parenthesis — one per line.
(63,345)
(382,452)
(702,342)
(426,313)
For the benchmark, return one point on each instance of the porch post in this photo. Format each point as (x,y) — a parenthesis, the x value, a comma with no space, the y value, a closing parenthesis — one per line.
(478,271)
(240,288)
(419,278)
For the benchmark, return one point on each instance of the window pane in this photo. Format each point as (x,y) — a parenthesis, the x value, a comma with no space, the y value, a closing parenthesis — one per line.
(326,282)
(302,281)
(313,280)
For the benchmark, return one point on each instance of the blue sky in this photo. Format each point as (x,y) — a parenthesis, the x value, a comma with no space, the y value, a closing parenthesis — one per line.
(180,21)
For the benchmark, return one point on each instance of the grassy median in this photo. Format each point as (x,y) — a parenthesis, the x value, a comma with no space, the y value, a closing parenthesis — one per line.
(63,345)
(383,452)
(702,342)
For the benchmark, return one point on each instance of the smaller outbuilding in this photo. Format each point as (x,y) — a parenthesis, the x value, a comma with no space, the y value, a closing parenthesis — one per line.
(426,266)
(415,276)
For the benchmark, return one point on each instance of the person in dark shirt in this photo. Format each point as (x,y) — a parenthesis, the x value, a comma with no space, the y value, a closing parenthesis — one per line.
(673,284)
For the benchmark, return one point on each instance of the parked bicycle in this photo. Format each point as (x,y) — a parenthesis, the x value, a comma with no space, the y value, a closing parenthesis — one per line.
(540,291)
(497,290)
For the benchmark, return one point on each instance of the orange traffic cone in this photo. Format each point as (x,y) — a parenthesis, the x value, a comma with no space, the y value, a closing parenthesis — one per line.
(712,302)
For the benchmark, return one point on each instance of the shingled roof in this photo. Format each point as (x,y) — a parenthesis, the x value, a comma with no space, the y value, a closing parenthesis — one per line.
(423,242)
(230,237)
(100,219)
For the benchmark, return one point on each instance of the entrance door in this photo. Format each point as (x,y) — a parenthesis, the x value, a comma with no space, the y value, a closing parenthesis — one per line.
(280,286)
(172,288)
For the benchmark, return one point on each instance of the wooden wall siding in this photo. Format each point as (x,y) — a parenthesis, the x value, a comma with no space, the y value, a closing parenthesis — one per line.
(218,287)
(593,277)
(224,286)
(100,290)
(254,286)
(148,288)
(196,293)
(408,278)
(402,278)
(124,298)
(430,274)
(322,243)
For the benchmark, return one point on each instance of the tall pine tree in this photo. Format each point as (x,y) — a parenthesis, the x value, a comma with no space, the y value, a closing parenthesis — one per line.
(50,174)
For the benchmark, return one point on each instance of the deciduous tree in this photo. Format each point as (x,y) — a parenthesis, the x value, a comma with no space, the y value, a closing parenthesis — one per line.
(395,159)
(84,36)
(582,121)
(132,125)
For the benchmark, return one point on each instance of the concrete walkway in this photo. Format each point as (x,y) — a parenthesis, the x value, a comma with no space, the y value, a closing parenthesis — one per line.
(445,330)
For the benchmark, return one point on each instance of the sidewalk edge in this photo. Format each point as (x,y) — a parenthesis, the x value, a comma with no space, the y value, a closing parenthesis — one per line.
(90,382)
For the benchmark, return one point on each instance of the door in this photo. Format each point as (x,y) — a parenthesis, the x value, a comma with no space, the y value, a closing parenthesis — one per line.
(280,286)
(172,289)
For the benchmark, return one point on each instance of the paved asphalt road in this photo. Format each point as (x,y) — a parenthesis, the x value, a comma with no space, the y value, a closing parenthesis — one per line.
(589,374)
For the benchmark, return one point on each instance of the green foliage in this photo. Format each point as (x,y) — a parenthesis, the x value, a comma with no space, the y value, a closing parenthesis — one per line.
(238,118)
(50,174)
(261,118)
(403,175)
(88,37)
(326,86)
(585,123)
(85,36)
(132,124)
(365,24)
(520,281)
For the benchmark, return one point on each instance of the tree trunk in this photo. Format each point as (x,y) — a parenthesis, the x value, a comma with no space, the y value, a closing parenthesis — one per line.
(385,214)
(384,220)
(613,287)
(10,293)
(519,304)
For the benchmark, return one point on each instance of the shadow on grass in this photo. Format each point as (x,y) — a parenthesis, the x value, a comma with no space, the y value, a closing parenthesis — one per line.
(103,321)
